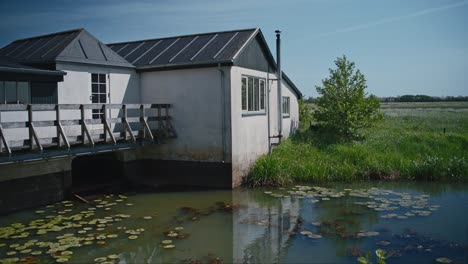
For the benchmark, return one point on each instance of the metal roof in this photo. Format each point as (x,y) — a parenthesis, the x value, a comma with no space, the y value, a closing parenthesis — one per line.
(186,50)
(8,65)
(196,50)
(68,46)
(292,85)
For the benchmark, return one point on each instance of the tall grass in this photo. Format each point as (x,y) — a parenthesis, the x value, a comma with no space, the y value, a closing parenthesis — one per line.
(408,144)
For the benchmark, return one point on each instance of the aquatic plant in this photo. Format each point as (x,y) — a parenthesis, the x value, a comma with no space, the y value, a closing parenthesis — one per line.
(380,254)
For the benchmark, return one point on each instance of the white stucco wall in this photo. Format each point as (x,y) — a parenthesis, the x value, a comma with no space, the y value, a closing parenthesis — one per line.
(122,87)
(197,100)
(250,132)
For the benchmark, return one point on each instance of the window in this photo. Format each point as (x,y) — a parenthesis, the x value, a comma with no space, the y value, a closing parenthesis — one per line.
(253,94)
(12,92)
(98,93)
(286,106)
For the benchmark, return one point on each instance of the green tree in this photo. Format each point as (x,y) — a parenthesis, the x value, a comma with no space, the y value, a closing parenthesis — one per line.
(344,107)
(305,113)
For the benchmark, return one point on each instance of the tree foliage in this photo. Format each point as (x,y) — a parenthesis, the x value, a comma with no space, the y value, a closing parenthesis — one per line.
(305,113)
(344,107)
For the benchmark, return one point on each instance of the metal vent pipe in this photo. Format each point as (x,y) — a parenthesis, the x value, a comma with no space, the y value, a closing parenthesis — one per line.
(280,82)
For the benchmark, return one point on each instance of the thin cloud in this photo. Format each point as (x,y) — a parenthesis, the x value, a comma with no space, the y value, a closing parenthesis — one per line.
(392,19)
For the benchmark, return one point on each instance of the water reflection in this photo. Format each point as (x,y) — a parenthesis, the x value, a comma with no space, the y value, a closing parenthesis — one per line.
(263,227)
(402,218)
(414,222)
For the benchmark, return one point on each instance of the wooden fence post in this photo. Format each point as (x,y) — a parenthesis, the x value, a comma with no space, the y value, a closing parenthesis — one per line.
(57,115)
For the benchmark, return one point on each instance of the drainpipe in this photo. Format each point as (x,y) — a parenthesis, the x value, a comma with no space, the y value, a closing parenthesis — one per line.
(280,81)
(268,108)
(223,112)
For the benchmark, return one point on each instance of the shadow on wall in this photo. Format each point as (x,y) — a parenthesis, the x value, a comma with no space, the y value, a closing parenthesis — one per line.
(293,126)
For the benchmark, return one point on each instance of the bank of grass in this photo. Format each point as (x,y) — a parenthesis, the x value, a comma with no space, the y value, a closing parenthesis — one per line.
(409,144)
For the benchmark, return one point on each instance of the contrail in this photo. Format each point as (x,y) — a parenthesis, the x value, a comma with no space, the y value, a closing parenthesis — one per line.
(392,19)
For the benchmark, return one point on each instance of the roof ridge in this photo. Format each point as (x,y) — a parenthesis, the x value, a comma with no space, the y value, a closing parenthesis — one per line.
(50,34)
(181,36)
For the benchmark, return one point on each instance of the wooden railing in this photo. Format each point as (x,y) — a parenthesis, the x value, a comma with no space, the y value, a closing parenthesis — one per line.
(142,115)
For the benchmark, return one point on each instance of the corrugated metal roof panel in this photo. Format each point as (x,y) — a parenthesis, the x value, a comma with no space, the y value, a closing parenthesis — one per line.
(210,51)
(71,46)
(147,45)
(188,49)
(151,54)
(172,50)
(230,51)
(128,48)
(191,50)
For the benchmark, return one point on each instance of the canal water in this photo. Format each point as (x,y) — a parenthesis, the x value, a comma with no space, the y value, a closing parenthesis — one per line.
(335,223)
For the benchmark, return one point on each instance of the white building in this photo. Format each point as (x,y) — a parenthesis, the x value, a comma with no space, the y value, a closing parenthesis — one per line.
(223,87)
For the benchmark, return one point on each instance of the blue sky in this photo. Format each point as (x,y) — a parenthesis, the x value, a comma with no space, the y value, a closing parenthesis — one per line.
(402,46)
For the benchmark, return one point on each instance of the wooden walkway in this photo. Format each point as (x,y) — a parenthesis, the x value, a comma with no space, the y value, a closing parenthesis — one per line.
(133,126)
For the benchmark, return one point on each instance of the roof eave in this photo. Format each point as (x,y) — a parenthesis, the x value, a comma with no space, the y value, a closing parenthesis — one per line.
(293,86)
(32,71)
(95,63)
(180,66)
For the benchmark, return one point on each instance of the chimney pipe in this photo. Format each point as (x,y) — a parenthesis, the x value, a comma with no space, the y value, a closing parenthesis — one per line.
(280,82)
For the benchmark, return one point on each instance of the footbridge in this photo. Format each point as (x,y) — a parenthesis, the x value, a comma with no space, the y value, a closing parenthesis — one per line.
(46,131)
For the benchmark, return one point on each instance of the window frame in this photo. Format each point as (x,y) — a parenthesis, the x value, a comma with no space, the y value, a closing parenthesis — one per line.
(251,99)
(98,113)
(286,106)
(17,93)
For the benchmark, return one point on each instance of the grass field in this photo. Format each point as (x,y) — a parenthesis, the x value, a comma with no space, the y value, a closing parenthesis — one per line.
(424,105)
(409,144)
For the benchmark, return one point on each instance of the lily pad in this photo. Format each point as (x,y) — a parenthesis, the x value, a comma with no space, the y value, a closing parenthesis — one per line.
(179,228)
(147,217)
(113,256)
(100,259)
(444,260)
(172,234)
(169,246)
(306,233)
(166,241)
(383,243)
(314,236)
(62,260)
(132,237)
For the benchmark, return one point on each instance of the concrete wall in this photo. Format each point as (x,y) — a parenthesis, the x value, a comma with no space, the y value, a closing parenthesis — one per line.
(250,137)
(197,113)
(25,185)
